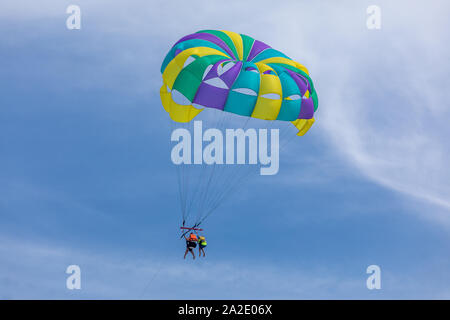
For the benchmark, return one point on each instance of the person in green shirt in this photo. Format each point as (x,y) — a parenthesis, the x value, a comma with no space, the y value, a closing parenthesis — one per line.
(201,246)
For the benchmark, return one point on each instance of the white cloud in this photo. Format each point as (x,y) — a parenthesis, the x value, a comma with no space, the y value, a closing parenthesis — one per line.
(36,270)
(385,108)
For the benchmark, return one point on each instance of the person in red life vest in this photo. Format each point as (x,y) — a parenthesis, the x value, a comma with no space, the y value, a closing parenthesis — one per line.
(191,243)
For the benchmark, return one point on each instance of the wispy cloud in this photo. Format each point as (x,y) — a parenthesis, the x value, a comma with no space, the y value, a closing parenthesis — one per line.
(37,270)
(385,107)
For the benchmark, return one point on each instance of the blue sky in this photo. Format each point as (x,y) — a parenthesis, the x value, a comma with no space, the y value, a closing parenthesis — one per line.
(86,176)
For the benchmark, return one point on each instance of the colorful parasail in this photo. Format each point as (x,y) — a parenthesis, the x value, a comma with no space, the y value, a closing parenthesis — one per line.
(235,73)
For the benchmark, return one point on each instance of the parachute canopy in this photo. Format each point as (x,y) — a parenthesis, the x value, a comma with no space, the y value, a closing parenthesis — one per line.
(235,73)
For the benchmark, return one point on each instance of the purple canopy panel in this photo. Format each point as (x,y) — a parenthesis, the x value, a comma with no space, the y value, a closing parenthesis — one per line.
(257,48)
(211,97)
(299,80)
(230,75)
(213,72)
(307,109)
(305,80)
(208,37)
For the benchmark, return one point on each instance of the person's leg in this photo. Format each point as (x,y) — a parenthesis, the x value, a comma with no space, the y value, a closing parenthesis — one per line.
(193,254)
(185,253)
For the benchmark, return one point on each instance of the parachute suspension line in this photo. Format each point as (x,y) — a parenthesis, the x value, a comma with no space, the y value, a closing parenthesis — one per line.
(178,173)
(288,140)
(205,193)
(198,187)
(221,169)
(183,213)
(192,197)
(196,191)
(230,183)
(234,183)
(186,178)
(182,177)
(215,182)
(231,173)
(287,134)
(221,125)
(237,178)
(158,270)
(208,188)
(223,196)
